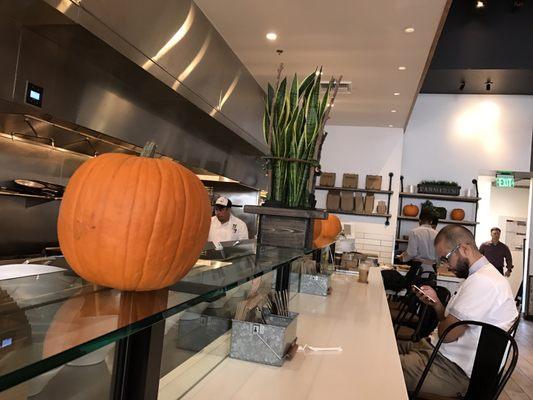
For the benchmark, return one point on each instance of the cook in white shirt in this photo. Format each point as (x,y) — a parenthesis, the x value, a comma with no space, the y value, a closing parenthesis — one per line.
(484,296)
(224,225)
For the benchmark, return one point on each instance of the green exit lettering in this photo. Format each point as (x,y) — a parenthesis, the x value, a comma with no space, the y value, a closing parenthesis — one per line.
(506,181)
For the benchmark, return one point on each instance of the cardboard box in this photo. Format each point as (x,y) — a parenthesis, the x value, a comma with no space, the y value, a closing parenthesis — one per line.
(381,208)
(327,179)
(333,201)
(373,182)
(350,181)
(369,204)
(347,202)
(359,203)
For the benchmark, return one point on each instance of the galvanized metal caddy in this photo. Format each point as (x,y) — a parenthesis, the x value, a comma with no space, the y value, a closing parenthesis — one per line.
(318,284)
(264,343)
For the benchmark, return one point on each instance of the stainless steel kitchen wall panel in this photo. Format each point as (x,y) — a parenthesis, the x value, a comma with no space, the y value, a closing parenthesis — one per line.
(27,226)
(175,36)
(9,43)
(91,85)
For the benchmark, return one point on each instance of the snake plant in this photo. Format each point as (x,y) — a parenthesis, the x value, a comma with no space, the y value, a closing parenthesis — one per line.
(293,125)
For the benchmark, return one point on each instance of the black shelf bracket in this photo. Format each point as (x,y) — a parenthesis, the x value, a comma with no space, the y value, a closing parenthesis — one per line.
(474,181)
(387,219)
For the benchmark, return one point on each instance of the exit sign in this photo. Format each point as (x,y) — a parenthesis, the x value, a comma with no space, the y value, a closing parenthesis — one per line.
(506,181)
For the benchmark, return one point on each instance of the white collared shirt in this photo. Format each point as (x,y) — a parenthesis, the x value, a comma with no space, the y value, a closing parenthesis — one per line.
(234,229)
(484,296)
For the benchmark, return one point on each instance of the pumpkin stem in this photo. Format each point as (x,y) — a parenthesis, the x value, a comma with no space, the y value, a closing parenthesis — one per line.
(149,149)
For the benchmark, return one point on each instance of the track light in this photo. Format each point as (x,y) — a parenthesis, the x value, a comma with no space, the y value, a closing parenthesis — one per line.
(462,85)
(488,85)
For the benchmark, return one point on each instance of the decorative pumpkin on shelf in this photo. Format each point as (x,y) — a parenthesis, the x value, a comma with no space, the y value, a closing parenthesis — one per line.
(410,210)
(325,231)
(133,223)
(457,214)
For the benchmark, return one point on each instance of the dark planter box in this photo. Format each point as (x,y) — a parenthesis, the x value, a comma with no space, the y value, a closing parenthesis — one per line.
(286,227)
(438,189)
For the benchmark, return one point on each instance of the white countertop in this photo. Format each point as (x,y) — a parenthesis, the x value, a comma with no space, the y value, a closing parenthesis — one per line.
(356,317)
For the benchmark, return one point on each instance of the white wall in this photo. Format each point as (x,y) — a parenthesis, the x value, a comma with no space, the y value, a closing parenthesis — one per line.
(449,137)
(458,137)
(507,203)
(366,151)
(499,204)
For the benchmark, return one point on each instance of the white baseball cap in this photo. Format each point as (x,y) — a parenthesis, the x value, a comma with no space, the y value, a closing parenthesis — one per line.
(223,201)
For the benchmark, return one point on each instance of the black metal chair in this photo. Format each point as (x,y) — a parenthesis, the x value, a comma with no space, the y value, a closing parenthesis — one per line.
(396,282)
(489,375)
(409,302)
(419,320)
(512,330)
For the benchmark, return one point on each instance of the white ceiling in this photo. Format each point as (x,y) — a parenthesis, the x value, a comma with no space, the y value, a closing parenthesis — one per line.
(362,40)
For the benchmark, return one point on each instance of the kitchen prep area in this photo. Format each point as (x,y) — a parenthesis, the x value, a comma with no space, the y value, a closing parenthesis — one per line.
(266,200)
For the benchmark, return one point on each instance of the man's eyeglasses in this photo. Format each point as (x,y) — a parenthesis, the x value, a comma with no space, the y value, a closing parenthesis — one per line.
(446,258)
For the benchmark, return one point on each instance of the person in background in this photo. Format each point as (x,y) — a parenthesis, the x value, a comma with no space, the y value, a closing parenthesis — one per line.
(224,225)
(420,245)
(496,252)
(484,296)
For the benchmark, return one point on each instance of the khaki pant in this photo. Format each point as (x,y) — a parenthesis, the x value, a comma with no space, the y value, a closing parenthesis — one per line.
(445,378)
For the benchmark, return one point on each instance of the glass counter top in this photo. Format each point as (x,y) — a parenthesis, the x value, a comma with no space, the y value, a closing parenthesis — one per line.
(48,320)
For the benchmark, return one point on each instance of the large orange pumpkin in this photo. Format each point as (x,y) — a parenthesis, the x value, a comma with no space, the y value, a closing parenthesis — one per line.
(133,223)
(326,230)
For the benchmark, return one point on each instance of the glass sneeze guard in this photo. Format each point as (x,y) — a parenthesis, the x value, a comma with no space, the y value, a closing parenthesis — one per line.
(49,320)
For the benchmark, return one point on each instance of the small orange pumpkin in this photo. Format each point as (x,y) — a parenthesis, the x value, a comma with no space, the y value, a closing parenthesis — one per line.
(410,210)
(133,223)
(325,231)
(457,214)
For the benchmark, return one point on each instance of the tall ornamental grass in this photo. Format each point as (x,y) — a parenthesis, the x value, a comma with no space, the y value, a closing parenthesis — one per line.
(293,125)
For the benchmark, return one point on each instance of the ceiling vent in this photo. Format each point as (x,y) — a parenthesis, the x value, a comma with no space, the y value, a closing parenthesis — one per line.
(345,87)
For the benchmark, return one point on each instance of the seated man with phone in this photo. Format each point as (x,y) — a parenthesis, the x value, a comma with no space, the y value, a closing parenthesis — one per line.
(484,296)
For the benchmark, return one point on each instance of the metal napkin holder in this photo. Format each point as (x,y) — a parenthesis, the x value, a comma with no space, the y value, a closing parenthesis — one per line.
(316,284)
(269,343)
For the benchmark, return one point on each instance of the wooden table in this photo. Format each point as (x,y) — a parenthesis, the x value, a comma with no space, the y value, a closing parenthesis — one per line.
(355,317)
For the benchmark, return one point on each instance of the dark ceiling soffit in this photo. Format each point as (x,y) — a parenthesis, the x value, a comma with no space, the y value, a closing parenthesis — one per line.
(443,17)
(479,81)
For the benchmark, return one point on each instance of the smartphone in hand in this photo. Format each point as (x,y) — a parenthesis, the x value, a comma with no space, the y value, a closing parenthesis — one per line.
(423,293)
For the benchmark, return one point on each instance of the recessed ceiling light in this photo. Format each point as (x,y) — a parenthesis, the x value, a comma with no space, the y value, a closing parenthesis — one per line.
(409,30)
(480,4)
(396,93)
(271,36)
(392,111)
(402,68)
(391,126)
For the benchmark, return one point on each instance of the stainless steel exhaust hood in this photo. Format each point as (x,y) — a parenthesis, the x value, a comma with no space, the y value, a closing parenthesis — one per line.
(131,71)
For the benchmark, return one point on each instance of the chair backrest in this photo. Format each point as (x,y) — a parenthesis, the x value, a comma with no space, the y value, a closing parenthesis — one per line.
(489,376)
(512,330)
(412,274)
(425,278)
